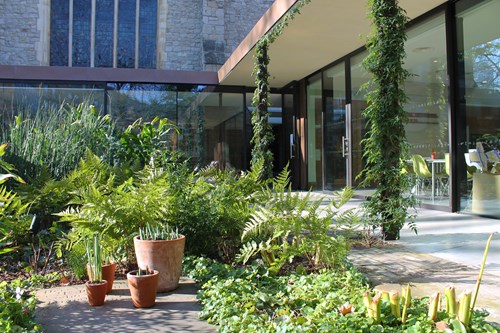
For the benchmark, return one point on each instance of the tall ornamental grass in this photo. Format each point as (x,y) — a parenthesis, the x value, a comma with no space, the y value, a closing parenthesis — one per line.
(55,138)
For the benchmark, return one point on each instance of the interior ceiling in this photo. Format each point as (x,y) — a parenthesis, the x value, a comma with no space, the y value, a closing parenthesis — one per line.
(325,30)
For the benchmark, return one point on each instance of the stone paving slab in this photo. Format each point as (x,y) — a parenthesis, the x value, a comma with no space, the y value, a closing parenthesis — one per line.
(390,267)
(65,309)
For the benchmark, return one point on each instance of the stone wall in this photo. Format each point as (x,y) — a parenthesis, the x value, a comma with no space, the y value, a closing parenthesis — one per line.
(192,35)
(20,32)
(183,44)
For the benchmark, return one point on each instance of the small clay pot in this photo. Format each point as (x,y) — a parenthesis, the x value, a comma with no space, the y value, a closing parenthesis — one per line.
(96,292)
(108,274)
(143,288)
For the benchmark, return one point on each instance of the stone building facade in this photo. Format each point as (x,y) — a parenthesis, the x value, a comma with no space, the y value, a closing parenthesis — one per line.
(194,35)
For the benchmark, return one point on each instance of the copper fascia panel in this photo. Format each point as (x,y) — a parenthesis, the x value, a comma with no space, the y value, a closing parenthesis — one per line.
(266,22)
(91,74)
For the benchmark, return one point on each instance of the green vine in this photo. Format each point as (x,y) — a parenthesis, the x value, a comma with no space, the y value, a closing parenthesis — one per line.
(262,130)
(386,146)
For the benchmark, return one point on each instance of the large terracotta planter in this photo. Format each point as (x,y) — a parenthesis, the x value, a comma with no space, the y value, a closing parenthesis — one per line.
(96,292)
(165,256)
(108,274)
(143,289)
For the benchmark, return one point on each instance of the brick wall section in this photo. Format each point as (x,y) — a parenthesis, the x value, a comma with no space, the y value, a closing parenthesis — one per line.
(19,33)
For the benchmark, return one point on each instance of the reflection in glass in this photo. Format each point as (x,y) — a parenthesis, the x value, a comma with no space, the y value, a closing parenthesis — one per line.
(427,130)
(81,33)
(359,76)
(335,127)
(126,34)
(479,60)
(104,15)
(314,134)
(59,30)
(147,34)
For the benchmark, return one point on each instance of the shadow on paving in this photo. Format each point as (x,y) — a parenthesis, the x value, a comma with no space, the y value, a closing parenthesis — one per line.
(65,309)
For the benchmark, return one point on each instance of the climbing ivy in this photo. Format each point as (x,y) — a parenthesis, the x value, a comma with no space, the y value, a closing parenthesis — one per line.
(262,130)
(386,146)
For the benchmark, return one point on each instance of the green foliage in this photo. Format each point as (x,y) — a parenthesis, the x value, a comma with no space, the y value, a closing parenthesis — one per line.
(142,142)
(288,225)
(386,146)
(249,299)
(94,259)
(54,139)
(17,307)
(262,131)
(165,232)
(212,207)
(14,223)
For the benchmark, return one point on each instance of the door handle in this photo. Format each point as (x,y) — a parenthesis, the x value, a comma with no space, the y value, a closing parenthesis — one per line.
(345,146)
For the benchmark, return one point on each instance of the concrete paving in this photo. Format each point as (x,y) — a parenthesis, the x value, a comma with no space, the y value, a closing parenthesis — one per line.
(447,250)
(65,309)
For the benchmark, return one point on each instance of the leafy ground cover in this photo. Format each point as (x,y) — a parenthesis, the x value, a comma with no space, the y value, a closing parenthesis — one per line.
(249,299)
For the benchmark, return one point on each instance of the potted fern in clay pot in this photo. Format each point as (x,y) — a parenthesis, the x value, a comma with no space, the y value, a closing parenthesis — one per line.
(143,284)
(161,249)
(96,287)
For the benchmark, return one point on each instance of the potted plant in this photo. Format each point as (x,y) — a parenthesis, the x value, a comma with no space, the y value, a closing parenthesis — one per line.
(96,286)
(108,270)
(161,249)
(143,284)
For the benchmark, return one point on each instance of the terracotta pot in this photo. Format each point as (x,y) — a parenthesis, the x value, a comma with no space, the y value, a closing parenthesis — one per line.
(165,256)
(108,274)
(96,292)
(143,289)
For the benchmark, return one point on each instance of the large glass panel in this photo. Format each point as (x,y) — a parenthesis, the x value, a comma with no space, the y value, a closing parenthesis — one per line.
(335,127)
(126,34)
(359,76)
(428,130)
(59,32)
(220,118)
(479,96)
(81,33)
(147,34)
(128,102)
(104,15)
(314,134)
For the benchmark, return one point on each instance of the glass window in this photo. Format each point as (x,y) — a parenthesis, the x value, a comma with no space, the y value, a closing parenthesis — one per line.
(359,76)
(126,34)
(81,33)
(104,17)
(314,133)
(59,32)
(427,130)
(147,34)
(334,91)
(479,96)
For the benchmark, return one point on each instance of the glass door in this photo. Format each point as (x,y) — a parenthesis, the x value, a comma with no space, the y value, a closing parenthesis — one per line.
(336,129)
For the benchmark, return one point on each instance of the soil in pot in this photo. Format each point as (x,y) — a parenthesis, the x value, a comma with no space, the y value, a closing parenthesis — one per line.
(143,288)
(96,292)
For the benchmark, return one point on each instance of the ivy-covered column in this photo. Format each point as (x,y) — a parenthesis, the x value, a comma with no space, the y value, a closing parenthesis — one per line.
(262,131)
(386,146)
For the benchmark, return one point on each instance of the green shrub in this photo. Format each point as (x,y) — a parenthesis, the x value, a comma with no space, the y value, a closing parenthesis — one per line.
(287,225)
(17,307)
